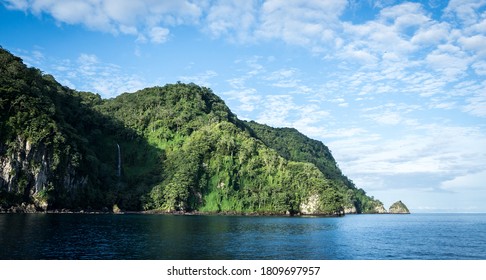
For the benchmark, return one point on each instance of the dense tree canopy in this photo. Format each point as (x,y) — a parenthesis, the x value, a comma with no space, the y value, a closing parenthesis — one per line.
(181,149)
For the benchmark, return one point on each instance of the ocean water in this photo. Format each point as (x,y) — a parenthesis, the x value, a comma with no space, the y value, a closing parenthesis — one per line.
(134,236)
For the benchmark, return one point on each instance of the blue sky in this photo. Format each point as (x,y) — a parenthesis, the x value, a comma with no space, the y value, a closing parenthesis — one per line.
(395,89)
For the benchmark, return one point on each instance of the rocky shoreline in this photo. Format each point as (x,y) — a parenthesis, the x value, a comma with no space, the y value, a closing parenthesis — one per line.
(31,209)
(38,206)
(25,208)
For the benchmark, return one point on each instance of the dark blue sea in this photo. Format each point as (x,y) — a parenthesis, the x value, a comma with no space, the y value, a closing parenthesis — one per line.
(153,237)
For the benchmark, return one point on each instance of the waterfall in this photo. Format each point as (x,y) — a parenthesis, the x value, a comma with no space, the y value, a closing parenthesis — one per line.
(119,160)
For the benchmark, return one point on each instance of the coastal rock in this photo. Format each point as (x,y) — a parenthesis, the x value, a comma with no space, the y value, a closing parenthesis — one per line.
(376,207)
(311,206)
(380,209)
(398,208)
(350,210)
(29,208)
(22,208)
(116,209)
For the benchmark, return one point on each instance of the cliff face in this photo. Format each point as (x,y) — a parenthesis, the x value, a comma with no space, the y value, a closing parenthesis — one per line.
(45,159)
(350,210)
(25,169)
(28,170)
(398,208)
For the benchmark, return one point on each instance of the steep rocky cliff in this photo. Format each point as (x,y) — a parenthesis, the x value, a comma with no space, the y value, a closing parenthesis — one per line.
(29,169)
(46,157)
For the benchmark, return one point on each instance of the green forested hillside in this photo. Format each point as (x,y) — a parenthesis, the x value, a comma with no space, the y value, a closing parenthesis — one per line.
(293,145)
(178,147)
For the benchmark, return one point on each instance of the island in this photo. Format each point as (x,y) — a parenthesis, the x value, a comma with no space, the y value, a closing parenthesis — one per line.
(167,149)
(398,208)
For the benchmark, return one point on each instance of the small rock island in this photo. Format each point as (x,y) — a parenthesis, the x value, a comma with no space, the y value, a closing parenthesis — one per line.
(398,208)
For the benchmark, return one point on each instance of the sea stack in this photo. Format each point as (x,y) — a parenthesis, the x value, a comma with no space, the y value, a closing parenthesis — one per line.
(398,208)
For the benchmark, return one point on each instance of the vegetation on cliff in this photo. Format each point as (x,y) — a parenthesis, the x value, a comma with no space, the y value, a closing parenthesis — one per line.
(295,146)
(178,147)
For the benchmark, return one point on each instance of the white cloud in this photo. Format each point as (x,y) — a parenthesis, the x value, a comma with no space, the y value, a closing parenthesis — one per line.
(358,55)
(480,67)
(247,98)
(32,58)
(277,109)
(391,32)
(300,22)
(130,30)
(474,43)
(202,78)
(158,34)
(17,4)
(90,73)
(413,169)
(233,19)
(284,78)
(88,65)
(309,120)
(466,11)
(449,60)
(87,59)
(388,118)
(438,150)
(142,18)
(477,28)
(430,35)
(476,104)
(344,133)
(405,15)
(468,181)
